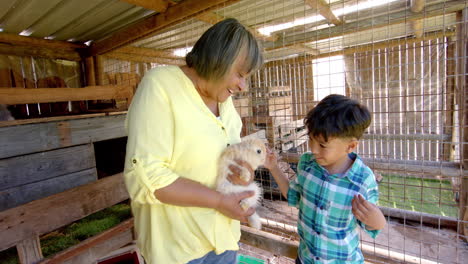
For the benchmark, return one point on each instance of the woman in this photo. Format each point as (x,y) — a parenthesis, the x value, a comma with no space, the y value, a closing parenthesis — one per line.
(180,120)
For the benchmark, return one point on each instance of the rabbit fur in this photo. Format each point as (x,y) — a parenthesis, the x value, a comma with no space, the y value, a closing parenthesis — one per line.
(252,151)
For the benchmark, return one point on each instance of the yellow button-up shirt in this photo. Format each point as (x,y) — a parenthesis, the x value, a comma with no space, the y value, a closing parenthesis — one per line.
(172,134)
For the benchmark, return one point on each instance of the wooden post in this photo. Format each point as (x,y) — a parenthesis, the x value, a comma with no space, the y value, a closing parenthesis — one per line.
(29,250)
(462,96)
(449,148)
(99,69)
(89,71)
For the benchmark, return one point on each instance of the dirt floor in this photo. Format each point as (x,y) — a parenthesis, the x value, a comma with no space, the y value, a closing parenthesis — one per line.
(404,241)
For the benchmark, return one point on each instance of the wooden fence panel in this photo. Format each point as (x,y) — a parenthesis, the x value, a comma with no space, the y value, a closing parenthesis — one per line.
(29,138)
(21,170)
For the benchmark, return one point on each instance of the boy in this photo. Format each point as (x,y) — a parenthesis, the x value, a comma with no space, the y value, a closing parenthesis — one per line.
(334,190)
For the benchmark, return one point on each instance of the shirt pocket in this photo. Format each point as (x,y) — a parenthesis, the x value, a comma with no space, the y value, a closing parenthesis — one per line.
(339,214)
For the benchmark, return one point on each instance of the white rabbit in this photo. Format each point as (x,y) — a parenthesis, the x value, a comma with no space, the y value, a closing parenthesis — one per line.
(252,151)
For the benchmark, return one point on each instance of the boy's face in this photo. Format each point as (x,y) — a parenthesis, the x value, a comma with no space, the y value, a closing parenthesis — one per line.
(332,154)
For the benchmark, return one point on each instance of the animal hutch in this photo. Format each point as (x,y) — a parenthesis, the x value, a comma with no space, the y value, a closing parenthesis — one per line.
(69,69)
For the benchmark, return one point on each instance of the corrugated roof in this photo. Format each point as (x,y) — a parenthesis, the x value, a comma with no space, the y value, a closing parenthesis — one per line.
(95,20)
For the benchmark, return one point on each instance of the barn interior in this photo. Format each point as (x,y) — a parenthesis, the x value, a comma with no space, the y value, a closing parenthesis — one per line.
(69,70)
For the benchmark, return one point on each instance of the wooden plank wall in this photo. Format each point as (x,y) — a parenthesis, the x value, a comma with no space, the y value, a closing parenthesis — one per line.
(43,158)
(404,86)
(25,223)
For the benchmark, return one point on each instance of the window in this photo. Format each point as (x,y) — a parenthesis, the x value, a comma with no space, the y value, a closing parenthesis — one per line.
(329,76)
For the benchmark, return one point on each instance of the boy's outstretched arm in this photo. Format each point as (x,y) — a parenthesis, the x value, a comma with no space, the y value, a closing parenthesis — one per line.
(271,163)
(368,213)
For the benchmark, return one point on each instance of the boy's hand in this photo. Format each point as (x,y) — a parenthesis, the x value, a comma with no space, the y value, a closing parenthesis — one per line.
(271,160)
(368,213)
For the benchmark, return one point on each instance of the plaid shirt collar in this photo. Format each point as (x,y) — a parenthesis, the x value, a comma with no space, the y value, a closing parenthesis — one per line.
(351,174)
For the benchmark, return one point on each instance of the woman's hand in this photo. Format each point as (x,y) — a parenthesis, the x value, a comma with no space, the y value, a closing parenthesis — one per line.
(241,174)
(229,205)
(368,213)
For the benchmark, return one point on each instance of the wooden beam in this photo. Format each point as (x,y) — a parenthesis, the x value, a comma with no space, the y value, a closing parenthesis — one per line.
(417,5)
(461,98)
(213,18)
(40,43)
(143,58)
(269,242)
(49,95)
(437,221)
(145,52)
(62,132)
(298,47)
(99,69)
(97,240)
(47,214)
(159,6)
(174,14)
(418,25)
(41,52)
(29,250)
(418,28)
(437,169)
(382,45)
(372,23)
(57,118)
(89,71)
(324,9)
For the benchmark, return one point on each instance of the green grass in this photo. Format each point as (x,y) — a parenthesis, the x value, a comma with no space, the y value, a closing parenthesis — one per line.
(75,233)
(416,194)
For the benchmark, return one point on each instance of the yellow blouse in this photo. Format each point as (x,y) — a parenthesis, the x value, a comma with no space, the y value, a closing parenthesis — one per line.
(171,134)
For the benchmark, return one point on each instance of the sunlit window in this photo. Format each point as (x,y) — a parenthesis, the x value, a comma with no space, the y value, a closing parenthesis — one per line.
(329,76)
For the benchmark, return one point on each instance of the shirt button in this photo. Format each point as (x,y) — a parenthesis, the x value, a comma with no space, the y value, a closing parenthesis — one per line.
(134,161)
(223,128)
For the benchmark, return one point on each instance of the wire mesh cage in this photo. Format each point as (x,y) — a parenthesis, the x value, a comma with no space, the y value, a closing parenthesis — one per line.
(404,60)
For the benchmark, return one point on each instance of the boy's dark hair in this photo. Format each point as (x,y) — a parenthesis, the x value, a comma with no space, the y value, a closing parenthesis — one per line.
(215,52)
(337,116)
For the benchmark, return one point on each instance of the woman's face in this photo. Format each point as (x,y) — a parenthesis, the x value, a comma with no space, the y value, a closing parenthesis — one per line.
(234,81)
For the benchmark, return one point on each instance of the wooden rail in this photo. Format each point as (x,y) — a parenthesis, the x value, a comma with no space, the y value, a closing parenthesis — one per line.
(9,95)
(21,226)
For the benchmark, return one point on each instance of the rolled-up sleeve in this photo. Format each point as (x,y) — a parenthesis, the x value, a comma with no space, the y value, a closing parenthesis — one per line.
(150,128)
(294,193)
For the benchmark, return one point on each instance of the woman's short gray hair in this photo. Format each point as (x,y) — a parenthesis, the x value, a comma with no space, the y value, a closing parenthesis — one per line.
(215,52)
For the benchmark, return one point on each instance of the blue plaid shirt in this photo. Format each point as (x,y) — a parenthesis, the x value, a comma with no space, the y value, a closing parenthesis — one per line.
(326,224)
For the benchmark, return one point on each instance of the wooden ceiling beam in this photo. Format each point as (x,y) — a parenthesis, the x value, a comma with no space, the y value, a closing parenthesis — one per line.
(213,18)
(324,9)
(41,52)
(131,50)
(372,23)
(159,6)
(37,47)
(14,39)
(172,15)
(364,48)
(142,58)
(298,47)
